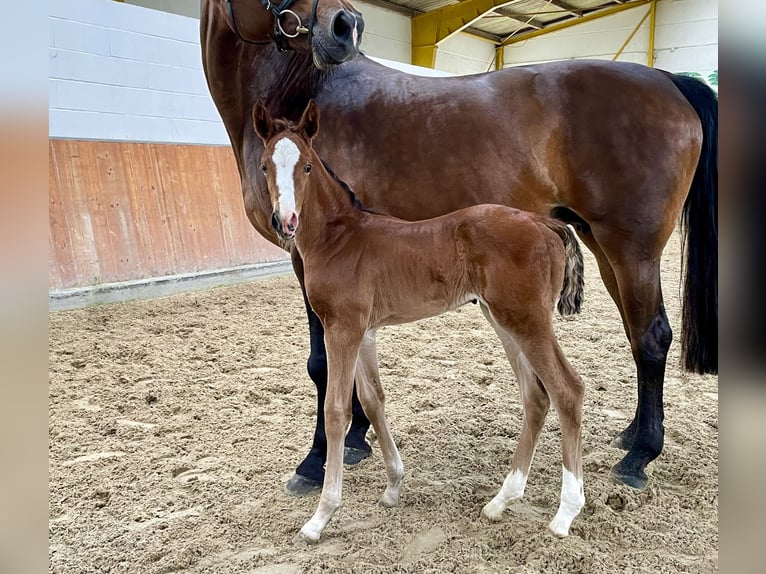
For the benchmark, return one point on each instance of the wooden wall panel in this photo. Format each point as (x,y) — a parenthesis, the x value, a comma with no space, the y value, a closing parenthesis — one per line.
(121,211)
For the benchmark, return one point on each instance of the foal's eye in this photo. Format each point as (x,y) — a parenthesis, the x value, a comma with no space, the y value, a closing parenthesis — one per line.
(307,168)
(264,169)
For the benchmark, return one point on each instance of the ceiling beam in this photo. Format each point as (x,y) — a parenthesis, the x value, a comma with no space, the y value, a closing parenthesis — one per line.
(436,26)
(566,7)
(524,19)
(593,15)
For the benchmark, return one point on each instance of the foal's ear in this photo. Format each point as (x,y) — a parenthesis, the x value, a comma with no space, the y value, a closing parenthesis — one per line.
(310,120)
(262,123)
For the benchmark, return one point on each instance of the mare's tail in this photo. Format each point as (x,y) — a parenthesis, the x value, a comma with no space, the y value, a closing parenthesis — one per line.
(570,299)
(699,219)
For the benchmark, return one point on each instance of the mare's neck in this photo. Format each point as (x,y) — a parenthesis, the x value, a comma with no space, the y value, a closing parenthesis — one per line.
(239,74)
(328,215)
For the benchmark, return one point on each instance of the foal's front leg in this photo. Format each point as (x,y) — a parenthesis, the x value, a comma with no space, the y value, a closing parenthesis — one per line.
(342,352)
(309,474)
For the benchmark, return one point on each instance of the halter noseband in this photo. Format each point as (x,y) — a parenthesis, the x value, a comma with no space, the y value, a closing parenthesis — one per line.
(280,36)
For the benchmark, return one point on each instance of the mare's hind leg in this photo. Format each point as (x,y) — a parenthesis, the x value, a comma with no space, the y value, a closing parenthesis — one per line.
(309,474)
(625,439)
(535,403)
(373,400)
(638,279)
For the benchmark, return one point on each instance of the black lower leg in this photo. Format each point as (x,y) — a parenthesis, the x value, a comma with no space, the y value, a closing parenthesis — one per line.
(627,437)
(310,472)
(357,448)
(649,433)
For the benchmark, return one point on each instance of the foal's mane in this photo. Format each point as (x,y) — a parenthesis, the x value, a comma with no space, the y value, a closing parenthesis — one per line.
(355,201)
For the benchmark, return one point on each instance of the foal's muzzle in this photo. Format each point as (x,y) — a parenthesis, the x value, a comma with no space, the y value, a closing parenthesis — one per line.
(285,225)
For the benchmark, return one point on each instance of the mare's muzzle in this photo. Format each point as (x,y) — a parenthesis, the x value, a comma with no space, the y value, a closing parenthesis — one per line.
(340,42)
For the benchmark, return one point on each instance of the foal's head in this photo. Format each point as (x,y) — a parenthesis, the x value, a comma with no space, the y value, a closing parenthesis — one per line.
(286,163)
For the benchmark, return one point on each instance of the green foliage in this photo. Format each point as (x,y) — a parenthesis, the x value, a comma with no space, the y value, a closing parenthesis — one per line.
(711,79)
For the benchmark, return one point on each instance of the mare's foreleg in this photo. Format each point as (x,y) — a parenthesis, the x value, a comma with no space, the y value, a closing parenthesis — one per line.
(309,474)
(373,399)
(342,351)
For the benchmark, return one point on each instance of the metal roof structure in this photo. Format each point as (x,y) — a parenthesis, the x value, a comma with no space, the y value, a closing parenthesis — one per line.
(501,22)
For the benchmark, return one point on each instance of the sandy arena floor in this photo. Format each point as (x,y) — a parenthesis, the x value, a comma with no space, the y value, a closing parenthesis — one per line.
(174,424)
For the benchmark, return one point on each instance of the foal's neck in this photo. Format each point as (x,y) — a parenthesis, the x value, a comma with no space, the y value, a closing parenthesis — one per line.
(328,215)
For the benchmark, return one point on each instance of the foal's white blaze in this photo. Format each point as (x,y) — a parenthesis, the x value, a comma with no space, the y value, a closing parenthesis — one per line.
(513,488)
(572,501)
(285,157)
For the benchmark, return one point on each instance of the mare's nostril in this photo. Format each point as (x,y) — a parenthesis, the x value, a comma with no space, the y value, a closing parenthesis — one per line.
(275,221)
(342,25)
(290,227)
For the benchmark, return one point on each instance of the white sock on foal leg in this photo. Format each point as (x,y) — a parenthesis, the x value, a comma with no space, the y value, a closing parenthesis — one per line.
(512,489)
(572,501)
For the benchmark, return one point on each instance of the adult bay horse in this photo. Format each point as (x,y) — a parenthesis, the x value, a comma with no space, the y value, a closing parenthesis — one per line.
(618,150)
(516,264)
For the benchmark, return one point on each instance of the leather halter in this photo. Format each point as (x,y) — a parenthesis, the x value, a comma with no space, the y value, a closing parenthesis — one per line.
(280,37)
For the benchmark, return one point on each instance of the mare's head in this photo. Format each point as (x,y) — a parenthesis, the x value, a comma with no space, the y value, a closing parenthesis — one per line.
(287,163)
(330,29)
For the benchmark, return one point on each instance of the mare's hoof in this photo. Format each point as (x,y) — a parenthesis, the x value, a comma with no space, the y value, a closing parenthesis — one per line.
(352,456)
(634,478)
(300,485)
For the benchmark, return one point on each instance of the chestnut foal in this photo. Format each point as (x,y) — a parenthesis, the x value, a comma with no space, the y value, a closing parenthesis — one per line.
(365,270)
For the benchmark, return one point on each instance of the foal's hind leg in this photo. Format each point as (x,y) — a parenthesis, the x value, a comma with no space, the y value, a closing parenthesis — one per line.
(535,403)
(567,393)
(373,401)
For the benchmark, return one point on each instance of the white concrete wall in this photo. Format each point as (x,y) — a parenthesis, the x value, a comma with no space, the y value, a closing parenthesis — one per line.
(465,54)
(188,8)
(122,72)
(387,34)
(686,38)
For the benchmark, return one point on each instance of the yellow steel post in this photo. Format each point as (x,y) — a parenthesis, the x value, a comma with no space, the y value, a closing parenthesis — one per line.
(652,27)
(630,37)
(499,58)
(424,56)
(425,32)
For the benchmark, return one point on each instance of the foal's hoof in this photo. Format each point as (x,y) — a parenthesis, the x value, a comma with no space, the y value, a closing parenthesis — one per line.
(635,478)
(303,539)
(300,485)
(352,456)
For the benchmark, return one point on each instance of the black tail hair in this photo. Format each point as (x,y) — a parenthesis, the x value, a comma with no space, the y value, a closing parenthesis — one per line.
(699,220)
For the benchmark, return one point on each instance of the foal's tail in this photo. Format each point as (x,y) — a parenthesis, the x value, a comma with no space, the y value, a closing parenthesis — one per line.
(699,218)
(570,299)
